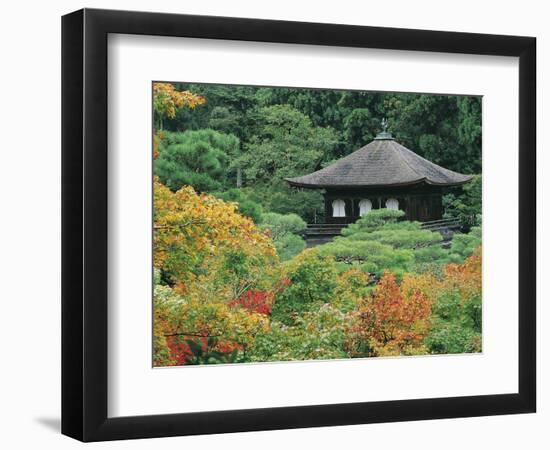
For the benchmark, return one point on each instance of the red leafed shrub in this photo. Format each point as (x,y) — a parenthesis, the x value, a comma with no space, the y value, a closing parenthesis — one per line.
(227,347)
(285,282)
(179,350)
(255,300)
(182,354)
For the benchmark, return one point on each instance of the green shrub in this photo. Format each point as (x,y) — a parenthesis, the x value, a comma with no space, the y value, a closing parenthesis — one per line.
(452,337)
(289,246)
(373,221)
(463,245)
(317,334)
(311,281)
(246,205)
(286,232)
(283,224)
(380,241)
(430,259)
(369,256)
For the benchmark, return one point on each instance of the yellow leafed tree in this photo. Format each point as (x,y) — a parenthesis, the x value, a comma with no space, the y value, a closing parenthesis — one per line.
(166,101)
(209,257)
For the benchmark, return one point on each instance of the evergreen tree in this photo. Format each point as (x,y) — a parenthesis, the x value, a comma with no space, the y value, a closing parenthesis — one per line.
(196,158)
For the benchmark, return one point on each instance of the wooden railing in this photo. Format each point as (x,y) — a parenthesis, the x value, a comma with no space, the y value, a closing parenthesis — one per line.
(334,229)
(324,229)
(435,225)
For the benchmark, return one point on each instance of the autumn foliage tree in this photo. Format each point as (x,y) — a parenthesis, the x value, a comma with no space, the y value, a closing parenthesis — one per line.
(167,100)
(392,321)
(456,322)
(193,231)
(200,328)
(213,264)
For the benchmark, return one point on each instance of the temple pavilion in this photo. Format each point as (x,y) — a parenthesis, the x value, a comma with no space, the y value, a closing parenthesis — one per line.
(382,174)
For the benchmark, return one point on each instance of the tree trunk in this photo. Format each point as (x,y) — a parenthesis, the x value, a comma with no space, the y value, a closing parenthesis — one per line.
(239,177)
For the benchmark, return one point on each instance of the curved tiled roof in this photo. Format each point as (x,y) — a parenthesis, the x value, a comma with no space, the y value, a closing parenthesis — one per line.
(383,162)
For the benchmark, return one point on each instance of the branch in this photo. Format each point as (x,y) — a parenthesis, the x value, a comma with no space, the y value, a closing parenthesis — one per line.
(179,225)
(192,334)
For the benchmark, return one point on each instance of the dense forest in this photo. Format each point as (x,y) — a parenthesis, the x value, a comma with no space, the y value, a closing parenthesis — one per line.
(234,281)
(253,138)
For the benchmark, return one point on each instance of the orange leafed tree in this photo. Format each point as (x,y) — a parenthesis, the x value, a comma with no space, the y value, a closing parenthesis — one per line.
(455,298)
(391,321)
(466,277)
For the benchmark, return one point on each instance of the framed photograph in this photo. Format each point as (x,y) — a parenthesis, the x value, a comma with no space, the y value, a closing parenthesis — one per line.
(273,225)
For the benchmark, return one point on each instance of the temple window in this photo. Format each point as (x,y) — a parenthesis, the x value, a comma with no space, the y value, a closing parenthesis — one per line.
(392,203)
(365,205)
(338,208)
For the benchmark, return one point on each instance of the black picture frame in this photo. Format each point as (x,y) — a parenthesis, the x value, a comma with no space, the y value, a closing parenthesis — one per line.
(84,224)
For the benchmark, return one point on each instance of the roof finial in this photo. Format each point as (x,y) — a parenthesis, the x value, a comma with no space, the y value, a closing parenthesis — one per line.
(384,134)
